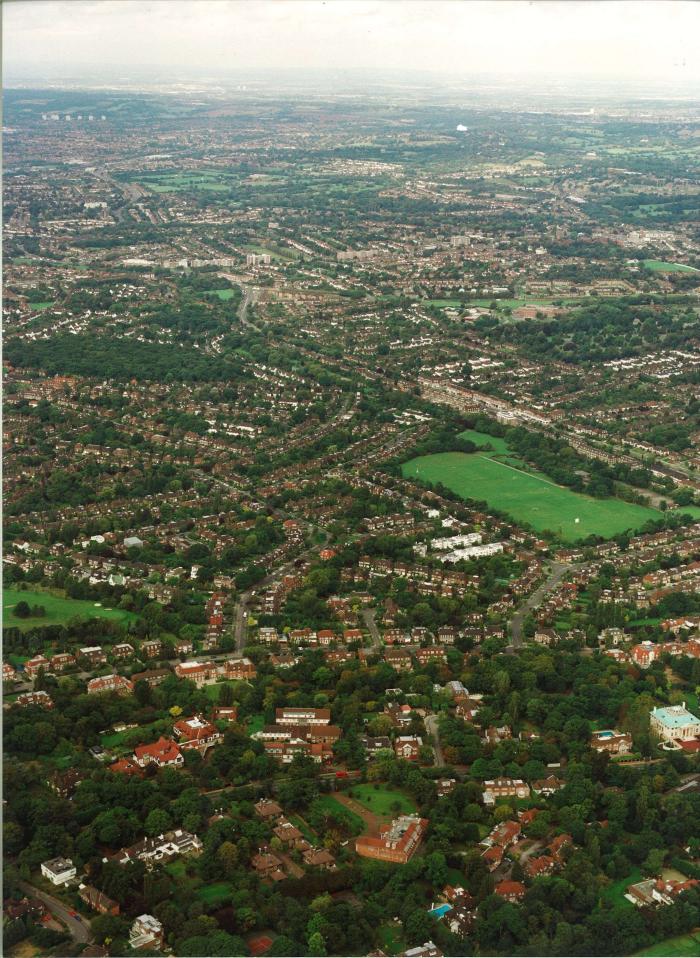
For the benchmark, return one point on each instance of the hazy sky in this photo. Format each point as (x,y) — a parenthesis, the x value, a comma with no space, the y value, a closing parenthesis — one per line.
(594,38)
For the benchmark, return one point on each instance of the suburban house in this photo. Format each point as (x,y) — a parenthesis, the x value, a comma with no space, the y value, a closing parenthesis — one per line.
(201,673)
(397,841)
(124,650)
(197,733)
(645,654)
(408,747)
(151,649)
(59,870)
(547,786)
(162,848)
(658,891)
(239,669)
(61,661)
(319,858)
(267,809)
(542,865)
(512,891)
(224,713)
(504,834)
(146,932)
(269,866)
(610,740)
(675,724)
(33,666)
(9,674)
(94,655)
(162,753)
(299,716)
(504,788)
(41,699)
(97,900)
(152,677)
(109,683)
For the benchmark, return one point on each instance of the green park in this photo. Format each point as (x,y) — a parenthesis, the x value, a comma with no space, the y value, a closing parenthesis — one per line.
(58,610)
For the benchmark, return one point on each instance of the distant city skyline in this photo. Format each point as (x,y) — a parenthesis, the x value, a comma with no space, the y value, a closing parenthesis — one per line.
(633,41)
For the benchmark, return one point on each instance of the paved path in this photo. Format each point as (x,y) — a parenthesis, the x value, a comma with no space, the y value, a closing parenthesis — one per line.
(431,725)
(368,616)
(78,928)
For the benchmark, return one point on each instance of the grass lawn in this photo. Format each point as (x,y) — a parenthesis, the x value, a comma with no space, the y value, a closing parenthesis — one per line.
(255,724)
(693,511)
(58,610)
(614,893)
(330,804)
(380,800)
(212,691)
(41,306)
(215,894)
(305,829)
(221,293)
(497,444)
(528,496)
(391,938)
(143,733)
(682,946)
(659,266)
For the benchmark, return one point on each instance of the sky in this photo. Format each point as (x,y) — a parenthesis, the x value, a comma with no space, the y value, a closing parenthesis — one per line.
(634,40)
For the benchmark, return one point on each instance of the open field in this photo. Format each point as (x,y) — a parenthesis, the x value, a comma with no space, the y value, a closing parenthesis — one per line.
(58,610)
(659,266)
(180,182)
(529,497)
(684,946)
(381,801)
(41,306)
(221,293)
(215,894)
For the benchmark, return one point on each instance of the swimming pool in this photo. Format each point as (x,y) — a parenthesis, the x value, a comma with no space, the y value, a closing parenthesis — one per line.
(440,910)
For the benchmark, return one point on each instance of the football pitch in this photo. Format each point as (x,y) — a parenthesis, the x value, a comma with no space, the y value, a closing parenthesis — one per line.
(528,497)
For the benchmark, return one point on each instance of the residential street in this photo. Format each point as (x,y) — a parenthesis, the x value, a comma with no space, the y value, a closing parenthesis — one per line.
(79,928)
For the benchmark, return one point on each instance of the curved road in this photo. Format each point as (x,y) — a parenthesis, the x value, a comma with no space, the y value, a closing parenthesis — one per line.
(78,928)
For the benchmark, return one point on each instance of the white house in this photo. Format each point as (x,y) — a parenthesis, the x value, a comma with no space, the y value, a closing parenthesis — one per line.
(58,870)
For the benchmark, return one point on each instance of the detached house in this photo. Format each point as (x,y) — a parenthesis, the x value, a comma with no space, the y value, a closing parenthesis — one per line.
(109,683)
(163,753)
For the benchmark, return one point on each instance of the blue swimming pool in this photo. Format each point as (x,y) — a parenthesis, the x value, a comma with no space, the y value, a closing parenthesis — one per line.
(440,910)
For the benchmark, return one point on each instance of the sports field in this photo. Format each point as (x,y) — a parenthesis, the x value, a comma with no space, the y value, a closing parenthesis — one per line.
(684,946)
(528,497)
(659,266)
(58,610)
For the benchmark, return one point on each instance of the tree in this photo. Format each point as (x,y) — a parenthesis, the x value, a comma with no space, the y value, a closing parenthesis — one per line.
(157,822)
(22,610)
(227,855)
(317,946)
